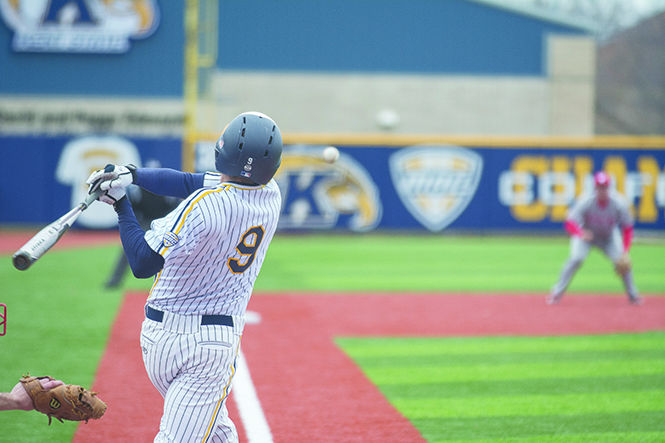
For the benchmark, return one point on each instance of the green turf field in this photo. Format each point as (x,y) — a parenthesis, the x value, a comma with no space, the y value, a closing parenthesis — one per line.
(445,263)
(58,320)
(586,388)
(59,312)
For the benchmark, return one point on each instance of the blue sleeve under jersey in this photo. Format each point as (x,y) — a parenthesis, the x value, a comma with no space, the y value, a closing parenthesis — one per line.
(165,181)
(142,259)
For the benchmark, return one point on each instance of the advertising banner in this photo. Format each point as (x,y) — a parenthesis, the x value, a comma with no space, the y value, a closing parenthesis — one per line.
(451,187)
(78,26)
(420,188)
(44,177)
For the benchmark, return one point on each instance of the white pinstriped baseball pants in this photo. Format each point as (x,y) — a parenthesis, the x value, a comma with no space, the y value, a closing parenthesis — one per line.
(192,366)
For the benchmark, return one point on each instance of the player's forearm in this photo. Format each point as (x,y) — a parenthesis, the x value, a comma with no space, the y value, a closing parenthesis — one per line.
(143,261)
(7,402)
(165,181)
(573,228)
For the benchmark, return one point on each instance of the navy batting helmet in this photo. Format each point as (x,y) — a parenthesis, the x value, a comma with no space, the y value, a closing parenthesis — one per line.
(250,147)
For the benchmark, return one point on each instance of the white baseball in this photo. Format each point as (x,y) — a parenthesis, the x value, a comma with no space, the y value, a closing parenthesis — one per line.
(331,154)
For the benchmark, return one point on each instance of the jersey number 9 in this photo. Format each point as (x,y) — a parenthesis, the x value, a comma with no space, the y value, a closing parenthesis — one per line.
(249,244)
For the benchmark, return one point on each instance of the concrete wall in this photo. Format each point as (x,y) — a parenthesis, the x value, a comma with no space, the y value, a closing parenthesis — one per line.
(559,103)
(571,77)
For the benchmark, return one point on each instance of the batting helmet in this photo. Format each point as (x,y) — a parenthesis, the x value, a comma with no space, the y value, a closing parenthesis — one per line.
(601,179)
(250,147)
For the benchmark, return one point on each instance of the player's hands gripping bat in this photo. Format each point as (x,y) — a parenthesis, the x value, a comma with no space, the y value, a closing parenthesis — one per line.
(48,236)
(113,179)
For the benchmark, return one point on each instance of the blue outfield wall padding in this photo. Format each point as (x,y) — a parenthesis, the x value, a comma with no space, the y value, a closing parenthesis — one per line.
(43,176)
(442,187)
(416,188)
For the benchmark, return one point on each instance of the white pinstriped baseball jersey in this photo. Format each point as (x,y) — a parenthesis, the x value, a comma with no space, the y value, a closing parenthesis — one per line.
(213,244)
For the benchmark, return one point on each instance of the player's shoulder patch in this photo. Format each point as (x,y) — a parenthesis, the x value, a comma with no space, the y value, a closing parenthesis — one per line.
(170,239)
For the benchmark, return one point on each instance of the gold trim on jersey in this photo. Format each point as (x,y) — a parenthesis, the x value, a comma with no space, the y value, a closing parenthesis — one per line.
(186,211)
(250,256)
(240,186)
(154,283)
(224,187)
(225,393)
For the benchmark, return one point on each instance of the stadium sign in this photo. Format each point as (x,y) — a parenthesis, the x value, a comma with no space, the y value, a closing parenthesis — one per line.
(318,195)
(78,26)
(435,188)
(436,183)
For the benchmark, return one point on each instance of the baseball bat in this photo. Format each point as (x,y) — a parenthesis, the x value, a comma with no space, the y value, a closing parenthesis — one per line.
(49,235)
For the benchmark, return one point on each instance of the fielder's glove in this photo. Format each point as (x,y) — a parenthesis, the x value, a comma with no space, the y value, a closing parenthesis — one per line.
(64,402)
(623,265)
(111,182)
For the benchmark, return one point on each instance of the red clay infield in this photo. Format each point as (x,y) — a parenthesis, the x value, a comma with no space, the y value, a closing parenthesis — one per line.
(308,388)
(11,241)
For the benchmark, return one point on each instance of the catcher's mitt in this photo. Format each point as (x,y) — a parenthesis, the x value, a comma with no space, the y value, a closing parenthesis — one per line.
(68,402)
(622,266)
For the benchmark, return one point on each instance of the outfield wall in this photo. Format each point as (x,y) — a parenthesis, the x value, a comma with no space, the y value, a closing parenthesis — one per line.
(379,183)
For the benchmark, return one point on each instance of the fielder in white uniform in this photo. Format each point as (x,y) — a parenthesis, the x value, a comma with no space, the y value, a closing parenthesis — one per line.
(205,256)
(595,220)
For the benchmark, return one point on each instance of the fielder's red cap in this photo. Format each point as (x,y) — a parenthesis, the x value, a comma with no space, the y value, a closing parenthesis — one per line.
(601,179)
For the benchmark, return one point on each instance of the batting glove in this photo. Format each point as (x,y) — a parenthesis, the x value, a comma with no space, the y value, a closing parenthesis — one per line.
(111,177)
(112,196)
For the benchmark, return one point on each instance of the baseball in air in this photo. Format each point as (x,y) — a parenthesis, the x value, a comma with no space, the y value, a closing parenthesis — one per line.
(331,154)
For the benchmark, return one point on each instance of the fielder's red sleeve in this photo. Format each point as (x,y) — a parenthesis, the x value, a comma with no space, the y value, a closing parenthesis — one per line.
(572,228)
(627,238)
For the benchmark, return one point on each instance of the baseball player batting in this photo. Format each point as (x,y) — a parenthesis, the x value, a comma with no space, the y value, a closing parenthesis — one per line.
(205,256)
(595,220)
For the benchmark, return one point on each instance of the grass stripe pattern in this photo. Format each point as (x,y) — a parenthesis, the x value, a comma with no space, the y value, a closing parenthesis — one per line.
(572,388)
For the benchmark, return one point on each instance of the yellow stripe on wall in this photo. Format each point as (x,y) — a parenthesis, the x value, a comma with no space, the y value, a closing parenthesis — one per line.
(499,141)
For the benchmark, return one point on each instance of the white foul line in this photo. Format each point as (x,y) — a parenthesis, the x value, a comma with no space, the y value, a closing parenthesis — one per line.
(249,407)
